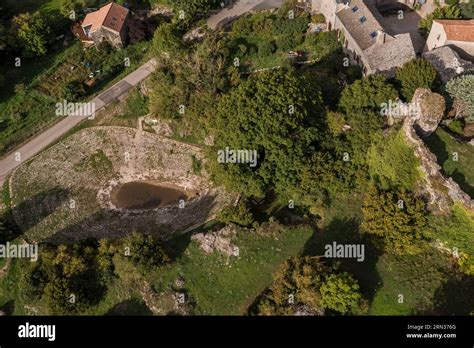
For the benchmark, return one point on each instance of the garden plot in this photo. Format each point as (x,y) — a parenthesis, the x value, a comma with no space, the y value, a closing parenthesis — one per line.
(65,193)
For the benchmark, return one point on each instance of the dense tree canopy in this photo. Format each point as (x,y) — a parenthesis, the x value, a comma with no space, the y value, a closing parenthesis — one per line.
(279,115)
(32,32)
(417,73)
(187,83)
(367,94)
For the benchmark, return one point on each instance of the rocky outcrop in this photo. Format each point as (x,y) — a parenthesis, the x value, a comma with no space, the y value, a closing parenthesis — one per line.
(440,191)
(220,241)
(430,108)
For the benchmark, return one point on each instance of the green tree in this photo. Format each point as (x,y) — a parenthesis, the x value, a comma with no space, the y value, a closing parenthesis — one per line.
(167,39)
(187,89)
(75,90)
(74,280)
(145,250)
(396,219)
(341,292)
(462,88)
(367,94)
(32,32)
(275,113)
(239,214)
(295,286)
(467,9)
(417,73)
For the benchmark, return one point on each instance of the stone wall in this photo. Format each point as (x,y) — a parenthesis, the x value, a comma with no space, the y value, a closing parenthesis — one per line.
(440,190)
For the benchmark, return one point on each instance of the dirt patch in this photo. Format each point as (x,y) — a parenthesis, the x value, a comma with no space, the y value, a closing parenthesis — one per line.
(63,194)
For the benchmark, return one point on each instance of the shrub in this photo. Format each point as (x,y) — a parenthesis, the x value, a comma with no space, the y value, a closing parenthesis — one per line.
(462,88)
(415,74)
(285,42)
(396,219)
(318,18)
(266,48)
(456,126)
(340,292)
(144,250)
(239,214)
(392,163)
(367,94)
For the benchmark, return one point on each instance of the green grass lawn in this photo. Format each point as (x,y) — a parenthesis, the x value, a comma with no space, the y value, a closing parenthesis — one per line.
(222,286)
(444,146)
(415,277)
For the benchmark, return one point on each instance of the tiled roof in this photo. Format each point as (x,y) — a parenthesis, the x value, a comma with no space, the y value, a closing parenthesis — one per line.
(458,29)
(111,16)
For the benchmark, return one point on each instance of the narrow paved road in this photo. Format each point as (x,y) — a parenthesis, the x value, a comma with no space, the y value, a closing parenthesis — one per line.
(42,140)
(238,9)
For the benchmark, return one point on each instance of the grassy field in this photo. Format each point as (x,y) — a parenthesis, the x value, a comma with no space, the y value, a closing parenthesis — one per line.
(444,146)
(416,278)
(222,286)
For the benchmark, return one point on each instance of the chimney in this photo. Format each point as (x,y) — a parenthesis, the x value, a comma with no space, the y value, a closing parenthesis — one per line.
(380,36)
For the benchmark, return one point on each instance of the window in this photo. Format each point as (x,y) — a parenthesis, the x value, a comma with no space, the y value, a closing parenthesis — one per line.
(362,19)
(373,34)
(355,9)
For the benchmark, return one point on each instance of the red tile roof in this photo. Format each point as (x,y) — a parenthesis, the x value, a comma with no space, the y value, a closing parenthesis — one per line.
(458,29)
(111,16)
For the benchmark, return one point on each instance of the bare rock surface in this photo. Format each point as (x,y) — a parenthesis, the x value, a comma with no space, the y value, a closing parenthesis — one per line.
(220,241)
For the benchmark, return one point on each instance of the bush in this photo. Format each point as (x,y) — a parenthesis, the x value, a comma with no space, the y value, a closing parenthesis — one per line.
(461,88)
(396,219)
(467,9)
(367,94)
(74,91)
(266,48)
(340,292)
(286,42)
(239,214)
(318,18)
(415,74)
(456,126)
(144,250)
(392,163)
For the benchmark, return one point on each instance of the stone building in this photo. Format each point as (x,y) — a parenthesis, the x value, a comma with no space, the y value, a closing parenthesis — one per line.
(366,40)
(455,33)
(109,23)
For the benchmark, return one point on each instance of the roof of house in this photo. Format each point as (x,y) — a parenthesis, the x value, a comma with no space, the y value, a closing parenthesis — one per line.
(391,54)
(361,21)
(458,29)
(447,62)
(111,16)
